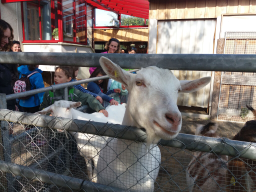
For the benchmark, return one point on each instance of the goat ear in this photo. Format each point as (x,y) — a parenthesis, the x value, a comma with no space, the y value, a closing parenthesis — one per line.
(46,110)
(114,71)
(75,104)
(191,86)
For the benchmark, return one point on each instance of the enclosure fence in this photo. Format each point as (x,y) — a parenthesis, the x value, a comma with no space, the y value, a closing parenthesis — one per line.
(38,156)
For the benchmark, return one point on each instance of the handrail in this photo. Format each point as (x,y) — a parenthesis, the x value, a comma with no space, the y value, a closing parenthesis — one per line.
(194,62)
(55,87)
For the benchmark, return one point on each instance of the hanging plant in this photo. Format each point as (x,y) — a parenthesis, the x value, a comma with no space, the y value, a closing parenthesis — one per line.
(55,33)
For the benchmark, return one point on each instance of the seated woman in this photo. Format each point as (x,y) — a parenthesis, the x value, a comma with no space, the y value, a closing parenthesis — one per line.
(100,87)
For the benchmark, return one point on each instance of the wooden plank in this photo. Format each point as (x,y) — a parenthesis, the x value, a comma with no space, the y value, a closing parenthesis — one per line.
(252,6)
(194,95)
(192,38)
(161,10)
(199,36)
(179,30)
(221,7)
(153,10)
(238,80)
(188,100)
(182,76)
(207,88)
(171,10)
(232,6)
(152,36)
(185,37)
(200,9)
(180,5)
(210,10)
(190,9)
(244,6)
(163,37)
(173,38)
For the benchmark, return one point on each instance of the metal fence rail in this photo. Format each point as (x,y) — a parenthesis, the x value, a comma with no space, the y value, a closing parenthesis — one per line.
(194,62)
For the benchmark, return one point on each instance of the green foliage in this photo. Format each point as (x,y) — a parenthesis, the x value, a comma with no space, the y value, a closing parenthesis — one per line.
(244,112)
(128,21)
(55,32)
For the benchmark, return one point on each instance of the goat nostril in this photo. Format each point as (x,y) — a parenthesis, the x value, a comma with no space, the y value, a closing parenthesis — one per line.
(169,118)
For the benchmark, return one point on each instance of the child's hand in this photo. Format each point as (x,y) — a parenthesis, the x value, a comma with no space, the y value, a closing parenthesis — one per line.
(99,99)
(104,112)
(117,91)
(123,87)
(113,102)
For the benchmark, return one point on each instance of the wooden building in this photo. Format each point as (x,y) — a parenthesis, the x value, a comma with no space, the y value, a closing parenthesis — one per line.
(208,27)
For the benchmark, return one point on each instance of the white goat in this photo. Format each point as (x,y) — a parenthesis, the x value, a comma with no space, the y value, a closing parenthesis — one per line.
(151,105)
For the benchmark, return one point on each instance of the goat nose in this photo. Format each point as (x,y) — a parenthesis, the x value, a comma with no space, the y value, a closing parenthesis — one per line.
(173,118)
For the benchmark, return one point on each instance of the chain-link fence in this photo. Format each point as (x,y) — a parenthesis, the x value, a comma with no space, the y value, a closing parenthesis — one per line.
(35,156)
(40,158)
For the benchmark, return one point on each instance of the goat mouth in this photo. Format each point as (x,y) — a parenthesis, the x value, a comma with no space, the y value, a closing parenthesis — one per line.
(164,130)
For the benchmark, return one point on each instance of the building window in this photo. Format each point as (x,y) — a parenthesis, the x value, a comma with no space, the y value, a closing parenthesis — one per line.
(41,21)
(37,20)
(31,21)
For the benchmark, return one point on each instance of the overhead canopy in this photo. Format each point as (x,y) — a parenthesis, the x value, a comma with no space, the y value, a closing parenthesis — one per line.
(136,8)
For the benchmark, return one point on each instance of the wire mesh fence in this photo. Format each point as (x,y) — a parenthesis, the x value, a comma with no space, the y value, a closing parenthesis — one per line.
(51,161)
(237,88)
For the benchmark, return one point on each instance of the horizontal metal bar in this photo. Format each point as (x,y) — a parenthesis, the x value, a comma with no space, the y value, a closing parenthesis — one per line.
(53,178)
(55,87)
(221,146)
(196,62)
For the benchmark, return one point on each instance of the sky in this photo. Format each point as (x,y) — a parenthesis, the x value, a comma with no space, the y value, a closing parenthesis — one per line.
(103,18)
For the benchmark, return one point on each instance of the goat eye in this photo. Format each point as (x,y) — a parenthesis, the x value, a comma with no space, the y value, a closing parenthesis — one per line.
(139,83)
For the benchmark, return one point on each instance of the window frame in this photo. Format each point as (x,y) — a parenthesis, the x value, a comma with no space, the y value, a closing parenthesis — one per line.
(59,19)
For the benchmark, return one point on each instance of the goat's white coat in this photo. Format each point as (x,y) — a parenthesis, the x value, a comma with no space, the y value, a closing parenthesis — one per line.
(126,164)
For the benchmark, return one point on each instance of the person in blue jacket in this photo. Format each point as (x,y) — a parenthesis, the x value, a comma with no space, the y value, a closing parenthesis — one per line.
(100,87)
(32,104)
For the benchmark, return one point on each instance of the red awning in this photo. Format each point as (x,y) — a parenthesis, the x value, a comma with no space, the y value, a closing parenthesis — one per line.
(136,8)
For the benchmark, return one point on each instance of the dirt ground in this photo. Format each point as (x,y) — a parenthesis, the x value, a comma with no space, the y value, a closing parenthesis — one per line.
(225,129)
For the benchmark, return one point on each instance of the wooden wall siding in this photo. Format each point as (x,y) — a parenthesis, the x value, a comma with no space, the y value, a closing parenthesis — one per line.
(188,36)
(190,9)
(123,35)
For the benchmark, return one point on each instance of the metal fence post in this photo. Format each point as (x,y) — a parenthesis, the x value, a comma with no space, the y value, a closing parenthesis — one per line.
(66,93)
(67,159)
(6,152)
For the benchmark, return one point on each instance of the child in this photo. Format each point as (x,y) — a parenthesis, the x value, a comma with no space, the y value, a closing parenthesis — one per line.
(124,92)
(64,75)
(100,87)
(82,89)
